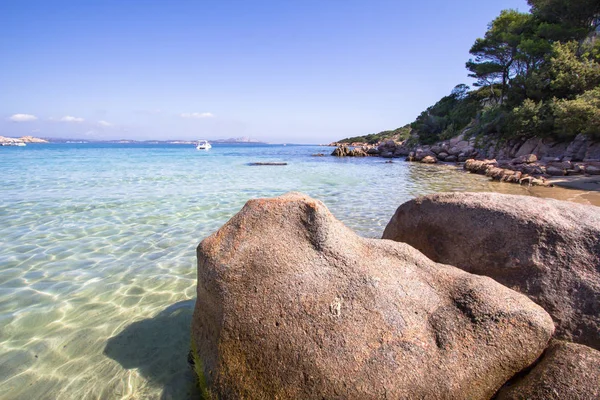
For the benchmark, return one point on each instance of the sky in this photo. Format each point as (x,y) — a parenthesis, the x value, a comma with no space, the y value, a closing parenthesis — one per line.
(289,71)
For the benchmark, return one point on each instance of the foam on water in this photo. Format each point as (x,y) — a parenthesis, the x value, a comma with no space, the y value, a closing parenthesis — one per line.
(97,250)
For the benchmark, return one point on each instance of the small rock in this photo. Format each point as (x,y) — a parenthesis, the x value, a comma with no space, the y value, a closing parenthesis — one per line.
(592,170)
(436,149)
(554,171)
(266,163)
(526,159)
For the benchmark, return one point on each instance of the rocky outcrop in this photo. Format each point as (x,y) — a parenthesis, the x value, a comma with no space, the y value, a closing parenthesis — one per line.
(454,150)
(341,151)
(566,371)
(357,153)
(31,139)
(581,148)
(547,249)
(344,151)
(292,304)
(527,169)
(465,146)
(24,139)
(519,172)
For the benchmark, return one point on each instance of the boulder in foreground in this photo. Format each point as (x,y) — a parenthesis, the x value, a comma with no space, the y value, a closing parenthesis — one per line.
(292,304)
(567,371)
(547,249)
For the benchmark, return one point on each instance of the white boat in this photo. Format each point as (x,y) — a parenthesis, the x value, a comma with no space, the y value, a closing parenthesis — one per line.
(203,145)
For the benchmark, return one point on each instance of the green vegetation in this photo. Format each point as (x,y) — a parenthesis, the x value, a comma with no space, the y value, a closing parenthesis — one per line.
(536,74)
(199,370)
(399,134)
(449,116)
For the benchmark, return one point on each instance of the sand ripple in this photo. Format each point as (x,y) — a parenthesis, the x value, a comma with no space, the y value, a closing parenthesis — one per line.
(97,252)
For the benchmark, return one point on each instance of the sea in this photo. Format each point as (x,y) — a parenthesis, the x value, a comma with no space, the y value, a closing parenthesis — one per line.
(97,249)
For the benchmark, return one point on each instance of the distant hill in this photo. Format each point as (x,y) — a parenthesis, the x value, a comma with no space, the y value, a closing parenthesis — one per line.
(398,134)
(174,141)
(24,139)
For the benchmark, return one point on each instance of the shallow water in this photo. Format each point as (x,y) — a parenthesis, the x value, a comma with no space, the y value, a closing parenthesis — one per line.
(97,250)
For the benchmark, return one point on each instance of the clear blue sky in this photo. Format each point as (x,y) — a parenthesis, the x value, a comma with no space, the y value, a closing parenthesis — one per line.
(299,71)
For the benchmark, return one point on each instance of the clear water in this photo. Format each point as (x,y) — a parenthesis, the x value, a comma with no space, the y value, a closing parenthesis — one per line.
(97,250)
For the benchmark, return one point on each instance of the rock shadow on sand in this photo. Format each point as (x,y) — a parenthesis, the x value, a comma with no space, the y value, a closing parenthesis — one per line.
(158,348)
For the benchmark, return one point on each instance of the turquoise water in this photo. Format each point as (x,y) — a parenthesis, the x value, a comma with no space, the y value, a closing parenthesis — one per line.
(97,250)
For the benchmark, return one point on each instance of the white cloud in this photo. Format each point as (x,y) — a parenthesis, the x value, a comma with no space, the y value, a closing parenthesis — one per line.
(69,118)
(22,118)
(104,123)
(196,115)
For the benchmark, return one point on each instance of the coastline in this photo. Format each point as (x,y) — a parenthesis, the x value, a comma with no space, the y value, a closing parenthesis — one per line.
(533,162)
(577,189)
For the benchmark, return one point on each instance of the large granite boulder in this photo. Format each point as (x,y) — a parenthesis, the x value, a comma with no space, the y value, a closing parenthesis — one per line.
(567,371)
(294,305)
(547,249)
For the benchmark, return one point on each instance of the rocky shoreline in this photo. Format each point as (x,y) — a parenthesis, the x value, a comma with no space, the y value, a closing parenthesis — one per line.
(532,161)
(22,140)
(293,304)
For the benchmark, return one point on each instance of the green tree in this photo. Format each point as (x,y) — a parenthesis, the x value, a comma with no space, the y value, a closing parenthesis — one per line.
(571,74)
(578,17)
(580,115)
(449,116)
(509,48)
(531,119)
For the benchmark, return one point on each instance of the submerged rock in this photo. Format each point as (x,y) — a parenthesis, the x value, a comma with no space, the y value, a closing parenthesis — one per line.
(566,371)
(547,249)
(293,304)
(429,160)
(266,163)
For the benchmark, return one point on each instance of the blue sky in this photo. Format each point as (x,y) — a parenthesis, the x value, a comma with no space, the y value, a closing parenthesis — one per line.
(298,71)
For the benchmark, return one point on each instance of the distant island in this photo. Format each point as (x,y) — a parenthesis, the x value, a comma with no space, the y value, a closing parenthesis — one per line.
(8,141)
(29,139)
